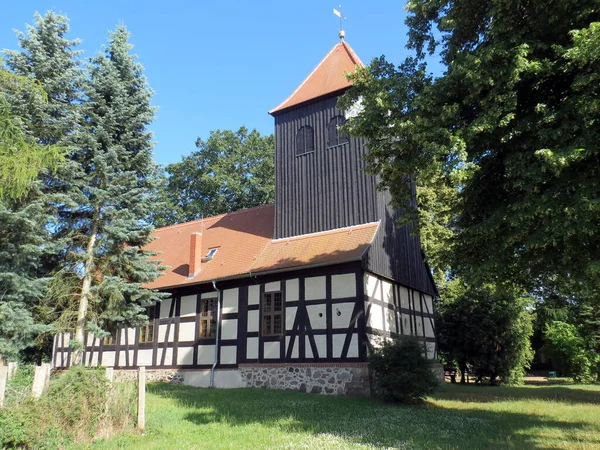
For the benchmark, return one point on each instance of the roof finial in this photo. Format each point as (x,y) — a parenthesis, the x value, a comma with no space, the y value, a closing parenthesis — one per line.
(342,33)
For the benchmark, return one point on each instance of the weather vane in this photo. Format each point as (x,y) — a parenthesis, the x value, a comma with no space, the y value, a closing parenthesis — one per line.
(338,12)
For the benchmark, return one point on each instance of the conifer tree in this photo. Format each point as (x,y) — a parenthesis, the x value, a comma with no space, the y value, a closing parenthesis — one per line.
(108,194)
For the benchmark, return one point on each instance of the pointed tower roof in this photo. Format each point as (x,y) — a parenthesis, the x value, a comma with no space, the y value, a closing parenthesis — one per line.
(328,77)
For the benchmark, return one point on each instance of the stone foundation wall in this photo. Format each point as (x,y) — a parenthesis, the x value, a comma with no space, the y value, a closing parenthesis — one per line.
(336,379)
(316,379)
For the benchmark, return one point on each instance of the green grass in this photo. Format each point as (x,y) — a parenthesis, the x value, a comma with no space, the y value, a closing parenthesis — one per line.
(461,417)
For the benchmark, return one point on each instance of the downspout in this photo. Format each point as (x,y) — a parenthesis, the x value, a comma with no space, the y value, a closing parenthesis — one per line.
(218,335)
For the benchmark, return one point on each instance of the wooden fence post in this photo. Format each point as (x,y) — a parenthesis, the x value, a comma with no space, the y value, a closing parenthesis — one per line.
(3,380)
(141,422)
(41,378)
(12,369)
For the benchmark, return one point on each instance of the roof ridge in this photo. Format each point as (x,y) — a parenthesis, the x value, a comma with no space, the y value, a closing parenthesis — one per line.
(218,216)
(332,231)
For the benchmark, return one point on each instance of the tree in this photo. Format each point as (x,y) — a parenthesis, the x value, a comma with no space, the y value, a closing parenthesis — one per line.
(231,170)
(106,193)
(49,58)
(487,329)
(512,119)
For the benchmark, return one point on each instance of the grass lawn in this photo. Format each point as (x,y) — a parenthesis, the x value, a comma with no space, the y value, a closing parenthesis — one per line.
(461,417)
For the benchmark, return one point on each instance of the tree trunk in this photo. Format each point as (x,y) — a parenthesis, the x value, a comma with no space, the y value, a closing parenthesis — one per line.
(463,370)
(85,291)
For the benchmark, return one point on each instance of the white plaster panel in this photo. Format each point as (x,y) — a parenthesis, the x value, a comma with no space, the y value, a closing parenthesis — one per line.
(59,359)
(318,316)
(406,324)
(123,358)
(253,295)
(185,356)
(66,338)
(376,317)
(253,317)
(321,342)
(343,286)
(290,316)
(89,339)
(338,345)
(168,356)
(165,307)
(108,359)
(273,286)
(314,288)
(130,332)
(391,321)
(388,292)
(430,350)
(417,298)
(206,354)
(228,354)
(230,300)
(428,304)
(188,306)
(420,330)
(162,333)
(294,348)
(94,359)
(144,357)
(292,290)
(342,314)
(429,328)
(404,297)
(187,331)
(372,287)
(252,348)
(211,294)
(272,350)
(229,329)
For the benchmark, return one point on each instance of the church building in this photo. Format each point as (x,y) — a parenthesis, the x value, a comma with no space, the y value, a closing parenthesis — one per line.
(290,295)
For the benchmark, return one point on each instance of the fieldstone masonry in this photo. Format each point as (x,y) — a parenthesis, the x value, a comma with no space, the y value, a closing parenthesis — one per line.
(342,380)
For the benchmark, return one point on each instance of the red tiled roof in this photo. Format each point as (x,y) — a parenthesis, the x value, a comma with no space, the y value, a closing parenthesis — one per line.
(326,247)
(328,77)
(245,246)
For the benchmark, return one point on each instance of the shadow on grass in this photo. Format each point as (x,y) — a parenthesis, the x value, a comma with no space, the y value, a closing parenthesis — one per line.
(367,421)
(487,394)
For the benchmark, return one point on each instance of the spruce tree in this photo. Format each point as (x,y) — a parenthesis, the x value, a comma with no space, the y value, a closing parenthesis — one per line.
(52,60)
(108,194)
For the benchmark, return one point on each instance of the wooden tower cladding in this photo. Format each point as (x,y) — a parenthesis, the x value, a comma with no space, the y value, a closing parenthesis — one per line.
(320,179)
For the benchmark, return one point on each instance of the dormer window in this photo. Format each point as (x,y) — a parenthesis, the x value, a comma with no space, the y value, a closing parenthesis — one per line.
(305,140)
(335,135)
(210,255)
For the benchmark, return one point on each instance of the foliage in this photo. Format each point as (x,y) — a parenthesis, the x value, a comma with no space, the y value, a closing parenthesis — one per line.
(231,170)
(79,406)
(570,353)
(21,158)
(455,416)
(510,124)
(104,194)
(401,372)
(486,329)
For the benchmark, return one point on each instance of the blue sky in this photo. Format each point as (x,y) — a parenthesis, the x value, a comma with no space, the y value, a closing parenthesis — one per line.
(220,65)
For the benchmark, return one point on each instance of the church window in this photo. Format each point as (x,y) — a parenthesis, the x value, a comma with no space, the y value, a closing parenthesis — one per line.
(208,317)
(147,330)
(272,314)
(305,140)
(335,135)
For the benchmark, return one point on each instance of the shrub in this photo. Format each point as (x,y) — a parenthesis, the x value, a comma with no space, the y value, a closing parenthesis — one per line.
(401,372)
(80,405)
(569,353)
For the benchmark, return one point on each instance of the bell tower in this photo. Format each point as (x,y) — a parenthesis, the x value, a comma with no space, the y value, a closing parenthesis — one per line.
(320,182)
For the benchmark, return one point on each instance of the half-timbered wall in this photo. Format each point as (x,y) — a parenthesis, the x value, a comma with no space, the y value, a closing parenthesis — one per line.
(393,310)
(322,322)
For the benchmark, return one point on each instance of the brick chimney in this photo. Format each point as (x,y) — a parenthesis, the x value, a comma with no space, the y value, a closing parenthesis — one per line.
(195,254)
